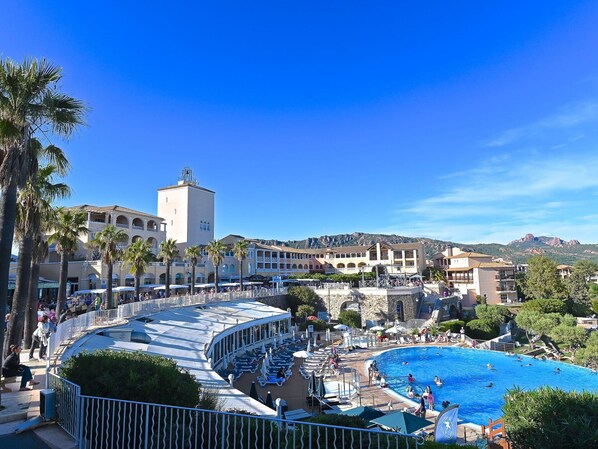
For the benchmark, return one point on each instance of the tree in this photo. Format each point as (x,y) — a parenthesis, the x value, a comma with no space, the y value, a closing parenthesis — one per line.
(526,320)
(30,103)
(35,203)
(193,254)
(70,224)
(107,242)
(542,280)
(545,306)
(138,254)
(550,418)
(586,268)
(588,355)
(492,313)
(350,318)
(241,250)
(305,310)
(168,252)
(579,294)
(302,295)
(570,336)
(215,250)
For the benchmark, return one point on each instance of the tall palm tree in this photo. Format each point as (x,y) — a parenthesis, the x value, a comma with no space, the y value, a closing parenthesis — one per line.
(39,254)
(106,241)
(193,253)
(30,103)
(35,203)
(69,225)
(168,252)
(215,250)
(138,254)
(241,250)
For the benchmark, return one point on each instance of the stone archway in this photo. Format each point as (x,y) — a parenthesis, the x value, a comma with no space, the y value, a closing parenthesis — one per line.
(211,278)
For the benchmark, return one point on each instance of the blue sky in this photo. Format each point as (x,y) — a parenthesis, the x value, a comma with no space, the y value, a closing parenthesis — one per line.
(469,121)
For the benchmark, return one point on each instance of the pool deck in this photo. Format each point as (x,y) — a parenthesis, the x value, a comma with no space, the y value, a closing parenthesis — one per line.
(294,390)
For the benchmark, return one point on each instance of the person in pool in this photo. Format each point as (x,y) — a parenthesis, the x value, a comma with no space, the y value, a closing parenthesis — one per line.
(437,381)
(410,378)
(490,385)
(489,366)
(409,391)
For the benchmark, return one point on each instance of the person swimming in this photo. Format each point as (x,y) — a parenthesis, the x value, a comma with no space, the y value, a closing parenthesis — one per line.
(490,385)
(557,370)
(489,366)
(437,381)
(409,391)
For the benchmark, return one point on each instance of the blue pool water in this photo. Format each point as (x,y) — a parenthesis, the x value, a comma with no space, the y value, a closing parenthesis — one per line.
(465,375)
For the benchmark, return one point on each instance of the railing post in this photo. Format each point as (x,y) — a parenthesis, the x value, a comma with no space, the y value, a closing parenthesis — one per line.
(223,439)
(146,431)
(79,413)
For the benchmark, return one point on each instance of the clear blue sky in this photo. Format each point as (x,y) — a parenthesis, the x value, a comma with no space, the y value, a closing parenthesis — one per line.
(464,120)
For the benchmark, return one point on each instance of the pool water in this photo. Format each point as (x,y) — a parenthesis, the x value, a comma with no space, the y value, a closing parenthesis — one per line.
(466,377)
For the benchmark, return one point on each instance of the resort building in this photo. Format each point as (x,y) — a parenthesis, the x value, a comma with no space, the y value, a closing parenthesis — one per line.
(188,210)
(136,225)
(475,274)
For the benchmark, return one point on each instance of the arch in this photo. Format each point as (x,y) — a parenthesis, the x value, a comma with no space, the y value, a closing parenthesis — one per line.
(122,221)
(124,242)
(136,238)
(294,266)
(211,277)
(162,278)
(137,223)
(179,278)
(153,244)
(300,266)
(400,311)
(148,278)
(351,305)
(340,265)
(152,225)
(361,265)
(350,265)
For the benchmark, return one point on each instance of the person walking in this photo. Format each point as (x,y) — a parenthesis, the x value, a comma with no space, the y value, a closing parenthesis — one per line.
(40,338)
(12,367)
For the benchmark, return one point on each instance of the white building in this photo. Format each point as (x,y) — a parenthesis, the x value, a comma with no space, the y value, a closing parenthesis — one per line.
(188,210)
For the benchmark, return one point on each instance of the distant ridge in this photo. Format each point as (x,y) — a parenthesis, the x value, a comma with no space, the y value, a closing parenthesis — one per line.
(517,251)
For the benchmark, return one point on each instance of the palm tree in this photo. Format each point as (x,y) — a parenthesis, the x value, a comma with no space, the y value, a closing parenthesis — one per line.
(30,102)
(138,255)
(241,250)
(70,224)
(168,252)
(35,203)
(39,254)
(106,241)
(215,250)
(193,253)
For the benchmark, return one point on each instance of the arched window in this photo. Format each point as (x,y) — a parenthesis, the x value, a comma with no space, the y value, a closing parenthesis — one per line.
(350,265)
(137,223)
(122,221)
(340,265)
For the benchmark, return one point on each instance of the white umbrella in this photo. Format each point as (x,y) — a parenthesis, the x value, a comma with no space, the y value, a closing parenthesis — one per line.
(280,339)
(302,354)
(263,348)
(264,368)
(376,328)
(309,346)
(306,333)
(392,330)
(341,327)
(274,344)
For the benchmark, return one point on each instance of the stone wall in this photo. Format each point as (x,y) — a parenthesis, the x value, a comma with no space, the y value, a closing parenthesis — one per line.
(278,301)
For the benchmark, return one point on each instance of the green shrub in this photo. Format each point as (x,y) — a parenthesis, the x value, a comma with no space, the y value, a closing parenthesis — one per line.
(133,376)
(482,329)
(319,325)
(350,318)
(546,306)
(550,418)
(453,326)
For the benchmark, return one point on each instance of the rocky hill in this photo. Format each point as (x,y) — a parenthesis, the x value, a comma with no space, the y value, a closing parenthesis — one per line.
(517,251)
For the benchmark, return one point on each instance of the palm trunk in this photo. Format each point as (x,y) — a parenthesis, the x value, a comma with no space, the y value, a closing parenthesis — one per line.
(32,304)
(167,290)
(216,278)
(19,299)
(8,215)
(241,273)
(193,280)
(109,296)
(64,272)
(137,287)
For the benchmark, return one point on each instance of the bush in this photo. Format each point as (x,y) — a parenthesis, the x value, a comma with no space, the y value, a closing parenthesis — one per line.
(133,376)
(319,325)
(546,306)
(350,318)
(303,296)
(492,313)
(482,329)
(550,418)
(453,326)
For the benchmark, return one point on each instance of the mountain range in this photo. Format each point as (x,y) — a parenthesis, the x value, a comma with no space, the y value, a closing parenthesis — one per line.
(517,251)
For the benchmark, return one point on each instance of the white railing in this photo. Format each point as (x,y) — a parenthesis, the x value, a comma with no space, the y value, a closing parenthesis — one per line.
(113,423)
(75,327)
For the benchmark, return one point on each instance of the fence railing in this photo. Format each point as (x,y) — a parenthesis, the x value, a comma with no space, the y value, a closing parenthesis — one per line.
(98,423)
(71,329)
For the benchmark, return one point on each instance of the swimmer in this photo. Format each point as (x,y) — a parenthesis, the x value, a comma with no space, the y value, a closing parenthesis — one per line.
(405,363)
(490,385)
(489,366)
(557,370)
(410,378)
(437,381)
(409,391)
(519,359)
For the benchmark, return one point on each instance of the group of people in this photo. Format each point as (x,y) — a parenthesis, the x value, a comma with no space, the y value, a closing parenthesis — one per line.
(426,396)
(374,375)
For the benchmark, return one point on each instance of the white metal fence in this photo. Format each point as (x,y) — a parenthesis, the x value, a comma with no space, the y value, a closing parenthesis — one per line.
(98,423)
(75,327)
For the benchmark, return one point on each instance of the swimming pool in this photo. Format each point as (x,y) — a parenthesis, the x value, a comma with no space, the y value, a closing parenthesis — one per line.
(466,377)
